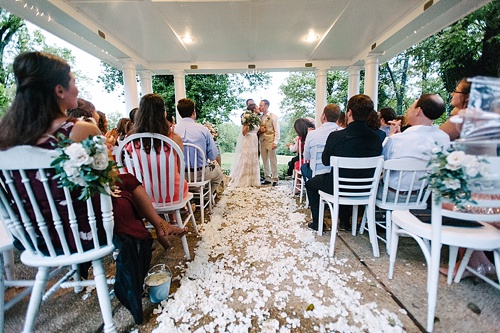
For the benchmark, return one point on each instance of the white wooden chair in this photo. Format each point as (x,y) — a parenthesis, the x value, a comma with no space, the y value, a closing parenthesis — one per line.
(352,191)
(316,164)
(408,171)
(485,238)
(298,180)
(195,174)
(42,250)
(158,174)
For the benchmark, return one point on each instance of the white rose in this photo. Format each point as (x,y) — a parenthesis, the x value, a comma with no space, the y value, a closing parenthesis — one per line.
(454,160)
(73,173)
(77,154)
(100,161)
(453,184)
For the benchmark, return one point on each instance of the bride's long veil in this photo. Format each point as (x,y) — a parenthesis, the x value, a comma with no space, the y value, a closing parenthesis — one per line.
(237,153)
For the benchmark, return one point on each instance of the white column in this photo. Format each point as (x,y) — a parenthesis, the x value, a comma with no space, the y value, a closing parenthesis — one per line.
(146,82)
(130,85)
(320,94)
(354,79)
(371,78)
(180,89)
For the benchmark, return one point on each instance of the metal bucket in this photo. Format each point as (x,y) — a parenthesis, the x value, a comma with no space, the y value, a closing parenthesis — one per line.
(158,281)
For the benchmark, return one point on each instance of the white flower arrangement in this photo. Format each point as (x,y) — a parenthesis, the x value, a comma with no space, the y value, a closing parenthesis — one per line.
(250,119)
(85,165)
(452,172)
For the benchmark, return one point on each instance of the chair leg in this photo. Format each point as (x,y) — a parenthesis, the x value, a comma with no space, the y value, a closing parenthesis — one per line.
(2,292)
(36,298)
(363,224)
(433,285)
(394,249)
(354,219)
(452,261)
(463,264)
(183,238)
(77,277)
(372,230)
(388,233)
(321,218)
(334,211)
(103,295)
(191,216)
(8,265)
(202,204)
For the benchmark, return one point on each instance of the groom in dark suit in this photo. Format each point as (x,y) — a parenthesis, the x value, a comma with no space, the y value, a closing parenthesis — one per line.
(356,140)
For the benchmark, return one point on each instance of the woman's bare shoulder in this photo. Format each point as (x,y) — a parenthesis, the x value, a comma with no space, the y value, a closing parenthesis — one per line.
(82,130)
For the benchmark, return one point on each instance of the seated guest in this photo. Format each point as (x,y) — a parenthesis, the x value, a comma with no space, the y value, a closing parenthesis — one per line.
(151,118)
(123,127)
(329,119)
(386,115)
(84,110)
(103,122)
(374,123)
(459,101)
(341,120)
(418,140)
(192,132)
(356,140)
(302,126)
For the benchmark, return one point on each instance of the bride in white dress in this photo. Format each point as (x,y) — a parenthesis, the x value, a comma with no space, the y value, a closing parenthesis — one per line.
(245,171)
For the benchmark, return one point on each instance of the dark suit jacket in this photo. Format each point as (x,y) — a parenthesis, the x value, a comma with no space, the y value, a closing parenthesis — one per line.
(356,140)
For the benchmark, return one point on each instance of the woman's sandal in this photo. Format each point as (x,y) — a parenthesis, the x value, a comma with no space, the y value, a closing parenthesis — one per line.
(167,231)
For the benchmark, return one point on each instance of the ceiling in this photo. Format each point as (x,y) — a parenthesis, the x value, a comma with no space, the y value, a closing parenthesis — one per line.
(231,35)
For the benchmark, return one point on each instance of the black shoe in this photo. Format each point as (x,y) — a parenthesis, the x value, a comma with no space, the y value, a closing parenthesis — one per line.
(265,182)
(345,226)
(275,184)
(312,226)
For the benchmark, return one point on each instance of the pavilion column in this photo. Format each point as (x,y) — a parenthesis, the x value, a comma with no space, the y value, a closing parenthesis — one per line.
(354,79)
(180,88)
(146,82)
(130,84)
(321,75)
(371,78)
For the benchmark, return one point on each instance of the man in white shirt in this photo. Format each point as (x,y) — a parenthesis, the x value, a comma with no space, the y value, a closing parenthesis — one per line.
(329,118)
(192,132)
(269,138)
(419,139)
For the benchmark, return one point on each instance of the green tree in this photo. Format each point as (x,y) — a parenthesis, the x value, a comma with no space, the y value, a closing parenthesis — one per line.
(215,95)
(228,136)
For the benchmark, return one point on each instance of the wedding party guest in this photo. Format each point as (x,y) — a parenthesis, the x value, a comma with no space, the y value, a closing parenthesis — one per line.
(103,122)
(329,118)
(192,132)
(85,110)
(459,101)
(341,120)
(150,118)
(45,90)
(374,123)
(269,138)
(418,140)
(123,127)
(386,115)
(245,171)
(131,114)
(356,140)
(302,126)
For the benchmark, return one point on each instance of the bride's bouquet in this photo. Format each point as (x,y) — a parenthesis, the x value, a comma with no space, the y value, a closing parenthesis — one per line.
(250,119)
(85,165)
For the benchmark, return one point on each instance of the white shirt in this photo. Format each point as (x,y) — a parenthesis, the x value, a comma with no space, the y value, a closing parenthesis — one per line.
(416,142)
(318,137)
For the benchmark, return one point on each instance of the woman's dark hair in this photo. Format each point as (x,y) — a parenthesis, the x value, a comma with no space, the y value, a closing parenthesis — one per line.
(35,104)
(302,126)
(103,122)
(150,118)
(251,106)
(373,121)
(84,109)
(123,127)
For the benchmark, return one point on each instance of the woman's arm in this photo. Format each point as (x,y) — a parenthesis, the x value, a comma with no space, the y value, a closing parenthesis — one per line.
(177,139)
(245,130)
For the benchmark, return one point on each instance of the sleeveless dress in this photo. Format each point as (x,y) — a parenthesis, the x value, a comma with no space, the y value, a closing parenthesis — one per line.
(246,171)
(126,217)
